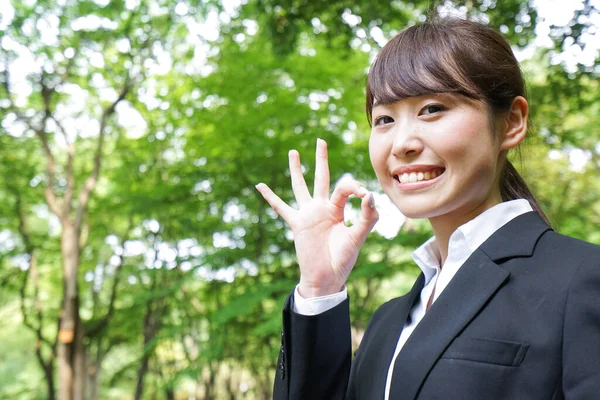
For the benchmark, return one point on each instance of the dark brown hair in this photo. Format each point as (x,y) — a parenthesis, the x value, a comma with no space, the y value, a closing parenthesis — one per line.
(454,56)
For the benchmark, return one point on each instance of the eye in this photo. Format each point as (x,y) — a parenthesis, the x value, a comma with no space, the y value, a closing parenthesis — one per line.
(383,120)
(432,109)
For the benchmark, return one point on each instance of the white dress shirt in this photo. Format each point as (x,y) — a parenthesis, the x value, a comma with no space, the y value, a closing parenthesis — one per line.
(463,242)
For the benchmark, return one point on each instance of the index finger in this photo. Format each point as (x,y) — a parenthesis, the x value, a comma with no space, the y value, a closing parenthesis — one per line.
(345,189)
(298,183)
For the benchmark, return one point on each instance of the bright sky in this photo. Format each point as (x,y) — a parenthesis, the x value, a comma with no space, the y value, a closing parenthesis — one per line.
(560,12)
(551,12)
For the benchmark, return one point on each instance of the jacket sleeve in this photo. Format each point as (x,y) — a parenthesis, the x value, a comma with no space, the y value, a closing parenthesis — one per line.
(315,356)
(581,340)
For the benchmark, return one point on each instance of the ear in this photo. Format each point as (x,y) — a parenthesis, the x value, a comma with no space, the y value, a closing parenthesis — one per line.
(515,124)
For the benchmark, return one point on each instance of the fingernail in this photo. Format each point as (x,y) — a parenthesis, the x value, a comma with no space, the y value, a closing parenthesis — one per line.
(371,200)
(257,186)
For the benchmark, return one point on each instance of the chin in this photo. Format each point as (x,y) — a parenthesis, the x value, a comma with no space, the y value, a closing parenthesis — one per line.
(419,213)
(419,208)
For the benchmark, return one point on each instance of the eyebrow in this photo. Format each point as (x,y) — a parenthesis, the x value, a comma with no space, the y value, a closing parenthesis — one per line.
(378,103)
(439,94)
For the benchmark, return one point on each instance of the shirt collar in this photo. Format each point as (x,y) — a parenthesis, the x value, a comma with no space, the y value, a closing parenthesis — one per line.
(469,236)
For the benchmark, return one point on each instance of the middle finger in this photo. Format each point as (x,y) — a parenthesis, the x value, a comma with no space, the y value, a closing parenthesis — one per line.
(321,171)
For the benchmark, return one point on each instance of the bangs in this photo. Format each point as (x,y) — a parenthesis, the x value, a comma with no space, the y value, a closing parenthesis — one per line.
(419,61)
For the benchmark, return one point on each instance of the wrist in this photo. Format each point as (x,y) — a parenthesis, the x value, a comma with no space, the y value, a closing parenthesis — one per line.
(308,291)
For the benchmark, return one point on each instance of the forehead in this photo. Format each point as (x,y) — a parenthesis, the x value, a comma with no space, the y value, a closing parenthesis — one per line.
(411,65)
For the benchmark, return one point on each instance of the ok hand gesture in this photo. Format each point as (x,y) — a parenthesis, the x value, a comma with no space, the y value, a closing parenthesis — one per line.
(326,248)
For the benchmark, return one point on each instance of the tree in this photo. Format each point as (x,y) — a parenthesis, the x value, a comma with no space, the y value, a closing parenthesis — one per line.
(133,242)
(94,56)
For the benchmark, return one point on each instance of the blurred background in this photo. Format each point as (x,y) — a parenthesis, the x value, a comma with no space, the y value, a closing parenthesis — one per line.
(137,261)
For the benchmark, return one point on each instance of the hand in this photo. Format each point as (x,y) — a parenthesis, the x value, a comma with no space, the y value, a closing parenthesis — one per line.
(326,248)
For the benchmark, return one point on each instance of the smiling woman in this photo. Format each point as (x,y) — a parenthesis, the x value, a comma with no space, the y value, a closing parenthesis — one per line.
(503,302)
(444,135)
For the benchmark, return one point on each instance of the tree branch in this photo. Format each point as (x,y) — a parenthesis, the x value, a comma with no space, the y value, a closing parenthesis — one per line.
(37,330)
(92,180)
(51,198)
(102,322)
(33,272)
(70,177)
(39,131)
(9,277)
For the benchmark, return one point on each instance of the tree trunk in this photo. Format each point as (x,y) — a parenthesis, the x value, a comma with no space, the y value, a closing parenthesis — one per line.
(93,370)
(49,375)
(71,357)
(152,322)
(209,384)
(79,362)
(139,387)
(93,381)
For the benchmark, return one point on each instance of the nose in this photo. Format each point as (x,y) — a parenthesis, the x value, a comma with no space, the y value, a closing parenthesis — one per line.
(407,142)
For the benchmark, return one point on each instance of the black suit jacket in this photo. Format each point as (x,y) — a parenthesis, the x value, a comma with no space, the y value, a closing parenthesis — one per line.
(520,320)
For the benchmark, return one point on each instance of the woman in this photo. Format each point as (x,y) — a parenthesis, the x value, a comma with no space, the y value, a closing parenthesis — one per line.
(505,308)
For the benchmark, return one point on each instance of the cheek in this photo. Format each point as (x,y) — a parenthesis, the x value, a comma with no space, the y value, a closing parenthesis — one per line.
(470,145)
(376,154)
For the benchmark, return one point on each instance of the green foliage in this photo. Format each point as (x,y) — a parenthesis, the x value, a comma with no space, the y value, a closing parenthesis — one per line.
(182,262)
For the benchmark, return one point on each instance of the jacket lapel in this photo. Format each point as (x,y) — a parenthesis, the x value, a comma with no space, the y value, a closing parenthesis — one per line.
(473,285)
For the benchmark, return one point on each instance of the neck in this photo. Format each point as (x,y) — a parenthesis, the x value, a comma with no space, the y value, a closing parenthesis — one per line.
(444,225)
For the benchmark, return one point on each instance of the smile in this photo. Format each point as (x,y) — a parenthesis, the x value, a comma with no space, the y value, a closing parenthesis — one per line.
(418,176)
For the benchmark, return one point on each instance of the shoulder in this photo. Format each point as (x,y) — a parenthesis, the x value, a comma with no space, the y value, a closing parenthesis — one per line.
(566,261)
(381,314)
(561,247)
(386,307)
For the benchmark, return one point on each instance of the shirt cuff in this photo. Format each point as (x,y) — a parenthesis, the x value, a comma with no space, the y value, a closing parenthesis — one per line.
(317,305)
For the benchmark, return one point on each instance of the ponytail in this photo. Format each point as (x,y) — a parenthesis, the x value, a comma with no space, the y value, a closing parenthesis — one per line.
(512,187)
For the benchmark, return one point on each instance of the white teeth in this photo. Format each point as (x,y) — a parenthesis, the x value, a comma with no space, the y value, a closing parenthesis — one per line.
(418,176)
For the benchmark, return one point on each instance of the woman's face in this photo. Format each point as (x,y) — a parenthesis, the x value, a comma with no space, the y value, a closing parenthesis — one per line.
(435,155)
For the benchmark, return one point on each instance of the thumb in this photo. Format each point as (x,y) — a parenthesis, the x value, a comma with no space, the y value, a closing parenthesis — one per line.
(368,218)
